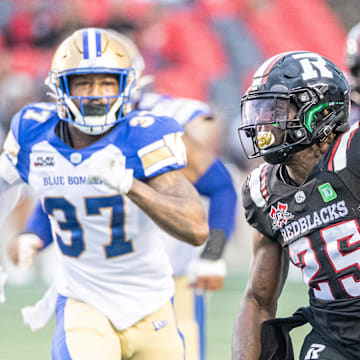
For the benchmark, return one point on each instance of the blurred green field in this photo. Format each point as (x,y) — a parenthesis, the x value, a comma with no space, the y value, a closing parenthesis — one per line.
(17,342)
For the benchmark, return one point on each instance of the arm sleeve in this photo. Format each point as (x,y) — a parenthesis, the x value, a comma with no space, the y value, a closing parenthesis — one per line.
(39,224)
(216,183)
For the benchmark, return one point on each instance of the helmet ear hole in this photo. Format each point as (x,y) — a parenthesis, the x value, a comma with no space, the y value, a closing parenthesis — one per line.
(323,114)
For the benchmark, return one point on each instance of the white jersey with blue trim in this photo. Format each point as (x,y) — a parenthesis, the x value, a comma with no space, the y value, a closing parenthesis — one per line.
(109,257)
(184,111)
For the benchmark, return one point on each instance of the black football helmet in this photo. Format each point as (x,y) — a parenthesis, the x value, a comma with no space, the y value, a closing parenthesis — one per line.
(296,99)
(352,60)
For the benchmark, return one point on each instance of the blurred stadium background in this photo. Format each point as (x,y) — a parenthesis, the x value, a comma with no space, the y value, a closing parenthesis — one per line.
(205,49)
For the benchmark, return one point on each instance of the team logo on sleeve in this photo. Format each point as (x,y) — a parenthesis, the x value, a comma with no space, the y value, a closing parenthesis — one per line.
(280,215)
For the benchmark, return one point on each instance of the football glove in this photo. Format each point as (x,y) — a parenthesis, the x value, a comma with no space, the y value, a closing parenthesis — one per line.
(207,274)
(203,267)
(111,171)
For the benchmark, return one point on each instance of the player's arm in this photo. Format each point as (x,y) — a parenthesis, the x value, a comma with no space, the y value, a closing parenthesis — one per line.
(163,192)
(211,179)
(10,187)
(259,303)
(37,235)
(174,204)
(10,191)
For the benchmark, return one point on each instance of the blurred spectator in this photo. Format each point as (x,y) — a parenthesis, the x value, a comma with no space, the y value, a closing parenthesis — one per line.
(204,49)
(16,90)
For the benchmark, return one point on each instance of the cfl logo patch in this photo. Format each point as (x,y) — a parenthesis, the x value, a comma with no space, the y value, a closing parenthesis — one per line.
(314,351)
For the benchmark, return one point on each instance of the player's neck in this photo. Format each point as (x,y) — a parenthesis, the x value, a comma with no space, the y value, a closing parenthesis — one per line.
(301,164)
(80,140)
(297,175)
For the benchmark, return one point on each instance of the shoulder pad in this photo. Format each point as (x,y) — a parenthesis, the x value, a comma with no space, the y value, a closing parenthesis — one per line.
(346,151)
(157,143)
(183,110)
(39,112)
(255,185)
(32,121)
(141,120)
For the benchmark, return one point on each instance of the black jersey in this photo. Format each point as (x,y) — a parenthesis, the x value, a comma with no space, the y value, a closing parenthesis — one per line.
(318,221)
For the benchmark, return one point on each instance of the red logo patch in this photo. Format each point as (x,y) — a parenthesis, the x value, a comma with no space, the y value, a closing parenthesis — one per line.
(280,215)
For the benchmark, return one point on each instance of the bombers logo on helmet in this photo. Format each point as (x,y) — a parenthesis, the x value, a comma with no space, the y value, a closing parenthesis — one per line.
(296,99)
(94,51)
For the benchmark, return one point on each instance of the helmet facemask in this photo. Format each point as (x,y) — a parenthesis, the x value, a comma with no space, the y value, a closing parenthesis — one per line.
(86,52)
(90,118)
(277,124)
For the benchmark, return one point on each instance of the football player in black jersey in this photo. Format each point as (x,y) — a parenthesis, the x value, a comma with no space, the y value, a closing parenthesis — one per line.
(303,204)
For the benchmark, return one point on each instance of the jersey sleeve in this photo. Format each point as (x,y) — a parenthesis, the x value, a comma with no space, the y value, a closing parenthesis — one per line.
(157,145)
(28,127)
(254,202)
(39,224)
(216,184)
(185,110)
(12,146)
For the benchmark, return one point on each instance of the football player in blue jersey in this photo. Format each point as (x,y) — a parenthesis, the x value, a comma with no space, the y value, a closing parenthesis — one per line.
(193,274)
(106,176)
(303,204)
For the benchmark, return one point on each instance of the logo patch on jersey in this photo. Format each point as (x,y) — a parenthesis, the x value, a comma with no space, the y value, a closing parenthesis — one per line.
(314,351)
(159,324)
(44,161)
(327,192)
(76,158)
(280,215)
(300,197)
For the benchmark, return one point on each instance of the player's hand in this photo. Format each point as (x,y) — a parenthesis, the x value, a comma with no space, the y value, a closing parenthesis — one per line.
(111,171)
(3,278)
(23,249)
(206,274)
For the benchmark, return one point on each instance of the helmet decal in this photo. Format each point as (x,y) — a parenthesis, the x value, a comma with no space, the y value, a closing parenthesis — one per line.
(91,43)
(263,71)
(312,112)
